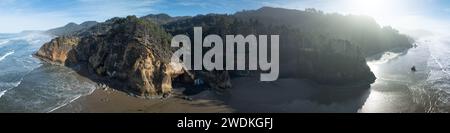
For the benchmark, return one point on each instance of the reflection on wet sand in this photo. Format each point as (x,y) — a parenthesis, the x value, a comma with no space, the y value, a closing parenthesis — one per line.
(294,95)
(395,90)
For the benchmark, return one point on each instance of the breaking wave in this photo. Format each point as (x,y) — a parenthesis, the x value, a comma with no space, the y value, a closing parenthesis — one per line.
(6,55)
(8,87)
(28,85)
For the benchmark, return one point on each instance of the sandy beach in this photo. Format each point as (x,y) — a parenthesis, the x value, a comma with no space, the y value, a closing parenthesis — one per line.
(112,101)
(247,95)
(392,92)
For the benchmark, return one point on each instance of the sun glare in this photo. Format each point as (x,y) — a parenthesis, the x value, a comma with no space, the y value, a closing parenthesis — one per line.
(373,8)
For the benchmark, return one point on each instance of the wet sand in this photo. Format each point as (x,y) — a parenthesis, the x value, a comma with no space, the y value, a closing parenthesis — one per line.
(294,96)
(111,101)
(247,95)
(398,89)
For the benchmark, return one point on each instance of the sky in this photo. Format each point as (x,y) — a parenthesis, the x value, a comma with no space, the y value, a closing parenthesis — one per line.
(406,15)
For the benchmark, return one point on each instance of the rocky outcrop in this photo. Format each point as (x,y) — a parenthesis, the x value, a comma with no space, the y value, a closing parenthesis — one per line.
(128,50)
(217,79)
(57,50)
(324,59)
(362,31)
(332,61)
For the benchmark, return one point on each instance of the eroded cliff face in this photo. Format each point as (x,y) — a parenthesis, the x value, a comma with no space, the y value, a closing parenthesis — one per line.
(57,50)
(128,50)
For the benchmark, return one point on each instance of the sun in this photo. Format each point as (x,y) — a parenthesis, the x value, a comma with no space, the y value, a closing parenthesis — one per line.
(370,7)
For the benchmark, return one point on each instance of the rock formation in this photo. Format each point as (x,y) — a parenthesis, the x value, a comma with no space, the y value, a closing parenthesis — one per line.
(128,50)
(57,50)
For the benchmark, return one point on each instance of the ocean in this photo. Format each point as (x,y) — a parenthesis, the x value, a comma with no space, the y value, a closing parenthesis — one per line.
(29,85)
(400,90)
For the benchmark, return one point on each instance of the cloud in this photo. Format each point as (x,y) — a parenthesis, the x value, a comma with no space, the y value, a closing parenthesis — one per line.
(406,15)
(111,8)
(295,4)
(197,3)
(19,15)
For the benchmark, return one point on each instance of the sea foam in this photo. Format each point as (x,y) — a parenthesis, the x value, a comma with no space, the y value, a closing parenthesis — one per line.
(6,55)
(2,93)
(3,42)
(9,86)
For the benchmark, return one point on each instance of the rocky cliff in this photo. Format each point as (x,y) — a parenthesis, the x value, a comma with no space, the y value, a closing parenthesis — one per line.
(57,50)
(362,31)
(332,61)
(127,50)
(322,58)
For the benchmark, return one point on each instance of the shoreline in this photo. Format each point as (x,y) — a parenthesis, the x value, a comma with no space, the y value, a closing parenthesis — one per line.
(397,89)
(247,95)
(114,101)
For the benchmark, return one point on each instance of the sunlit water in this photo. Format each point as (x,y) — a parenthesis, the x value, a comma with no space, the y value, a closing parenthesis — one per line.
(27,84)
(398,89)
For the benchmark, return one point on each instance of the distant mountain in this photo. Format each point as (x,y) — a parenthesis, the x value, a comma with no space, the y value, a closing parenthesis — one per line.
(71,28)
(163,18)
(30,31)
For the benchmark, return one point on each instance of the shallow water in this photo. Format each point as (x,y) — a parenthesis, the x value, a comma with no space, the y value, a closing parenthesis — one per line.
(398,89)
(27,84)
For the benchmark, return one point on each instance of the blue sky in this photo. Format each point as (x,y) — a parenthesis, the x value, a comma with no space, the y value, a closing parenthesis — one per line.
(18,15)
